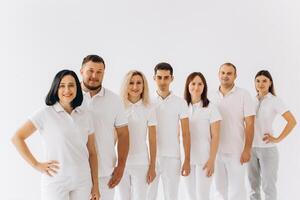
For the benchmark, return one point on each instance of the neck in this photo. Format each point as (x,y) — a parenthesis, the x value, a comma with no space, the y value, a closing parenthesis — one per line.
(163,94)
(92,92)
(196,99)
(67,107)
(133,99)
(224,89)
(262,94)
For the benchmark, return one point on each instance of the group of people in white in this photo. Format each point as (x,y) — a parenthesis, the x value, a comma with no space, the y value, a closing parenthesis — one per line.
(95,140)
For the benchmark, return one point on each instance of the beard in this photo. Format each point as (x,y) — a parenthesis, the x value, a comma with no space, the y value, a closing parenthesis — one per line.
(93,88)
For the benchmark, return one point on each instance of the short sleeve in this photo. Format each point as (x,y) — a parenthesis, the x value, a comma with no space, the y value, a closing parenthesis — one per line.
(120,119)
(249,108)
(280,107)
(151,116)
(38,119)
(184,110)
(214,114)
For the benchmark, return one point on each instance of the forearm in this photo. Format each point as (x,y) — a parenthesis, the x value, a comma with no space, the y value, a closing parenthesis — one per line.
(214,148)
(152,146)
(123,148)
(249,133)
(186,138)
(93,160)
(287,130)
(24,151)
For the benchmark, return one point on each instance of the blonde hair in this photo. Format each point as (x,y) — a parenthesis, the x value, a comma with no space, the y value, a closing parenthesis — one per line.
(124,88)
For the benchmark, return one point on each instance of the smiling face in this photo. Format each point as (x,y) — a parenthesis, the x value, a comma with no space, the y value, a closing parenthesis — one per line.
(262,84)
(227,75)
(135,87)
(67,90)
(92,75)
(196,87)
(163,79)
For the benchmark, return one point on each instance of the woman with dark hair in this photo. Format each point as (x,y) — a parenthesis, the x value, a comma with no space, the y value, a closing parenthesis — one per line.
(70,171)
(263,165)
(204,121)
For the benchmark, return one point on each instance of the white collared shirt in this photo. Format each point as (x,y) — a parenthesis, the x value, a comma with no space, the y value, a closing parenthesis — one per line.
(169,112)
(266,110)
(200,119)
(65,137)
(140,117)
(234,107)
(108,113)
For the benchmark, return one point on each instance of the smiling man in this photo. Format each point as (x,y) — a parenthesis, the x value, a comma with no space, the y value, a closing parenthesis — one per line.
(236,135)
(109,118)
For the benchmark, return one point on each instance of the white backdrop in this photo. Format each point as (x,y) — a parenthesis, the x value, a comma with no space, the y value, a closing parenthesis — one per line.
(39,38)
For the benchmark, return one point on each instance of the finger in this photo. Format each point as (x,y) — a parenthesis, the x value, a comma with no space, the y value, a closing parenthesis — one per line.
(52,170)
(47,172)
(205,166)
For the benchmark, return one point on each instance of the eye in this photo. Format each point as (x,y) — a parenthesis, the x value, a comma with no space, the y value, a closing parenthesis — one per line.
(131,83)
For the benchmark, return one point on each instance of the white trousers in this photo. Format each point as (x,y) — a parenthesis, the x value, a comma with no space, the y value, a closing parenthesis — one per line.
(262,171)
(65,188)
(197,183)
(133,185)
(230,177)
(168,170)
(106,192)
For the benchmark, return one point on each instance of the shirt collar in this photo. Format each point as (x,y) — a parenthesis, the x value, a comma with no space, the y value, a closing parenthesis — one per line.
(165,99)
(58,108)
(136,104)
(101,93)
(233,89)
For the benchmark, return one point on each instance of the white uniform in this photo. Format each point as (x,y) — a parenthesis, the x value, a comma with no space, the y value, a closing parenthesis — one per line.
(230,174)
(169,112)
(108,113)
(200,120)
(65,138)
(133,184)
(263,166)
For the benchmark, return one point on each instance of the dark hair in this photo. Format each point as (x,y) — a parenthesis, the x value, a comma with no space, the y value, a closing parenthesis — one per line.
(93,58)
(267,74)
(229,64)
(187,95)
(52,96)
(163,66)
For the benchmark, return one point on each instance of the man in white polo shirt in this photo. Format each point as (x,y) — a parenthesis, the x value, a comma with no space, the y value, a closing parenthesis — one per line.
(236,135)
(170,110)
(109,118)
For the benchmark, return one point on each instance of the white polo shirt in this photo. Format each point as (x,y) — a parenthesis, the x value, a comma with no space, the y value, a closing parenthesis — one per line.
(108,113)
(65,137)
(234,107)
(200,119)
(140,117)
(266,110)
(169,111)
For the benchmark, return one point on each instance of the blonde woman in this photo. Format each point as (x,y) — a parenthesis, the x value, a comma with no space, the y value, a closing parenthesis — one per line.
(140,165)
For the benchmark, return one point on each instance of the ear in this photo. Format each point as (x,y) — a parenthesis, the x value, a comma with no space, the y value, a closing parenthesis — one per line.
(81,70)
(172,78)
(154,77)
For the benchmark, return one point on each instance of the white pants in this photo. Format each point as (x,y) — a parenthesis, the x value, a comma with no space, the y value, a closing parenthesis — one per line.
(168,169)
(262,170)
(106,192)
(230,177)
(133,185)
(197,183)
(65,188)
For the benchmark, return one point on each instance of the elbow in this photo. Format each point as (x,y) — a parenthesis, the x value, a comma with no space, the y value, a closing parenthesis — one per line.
(14,140)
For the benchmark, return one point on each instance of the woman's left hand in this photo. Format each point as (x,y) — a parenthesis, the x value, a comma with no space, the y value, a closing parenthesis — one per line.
(95,194)
(268,138)
(151,174)
(209,167)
